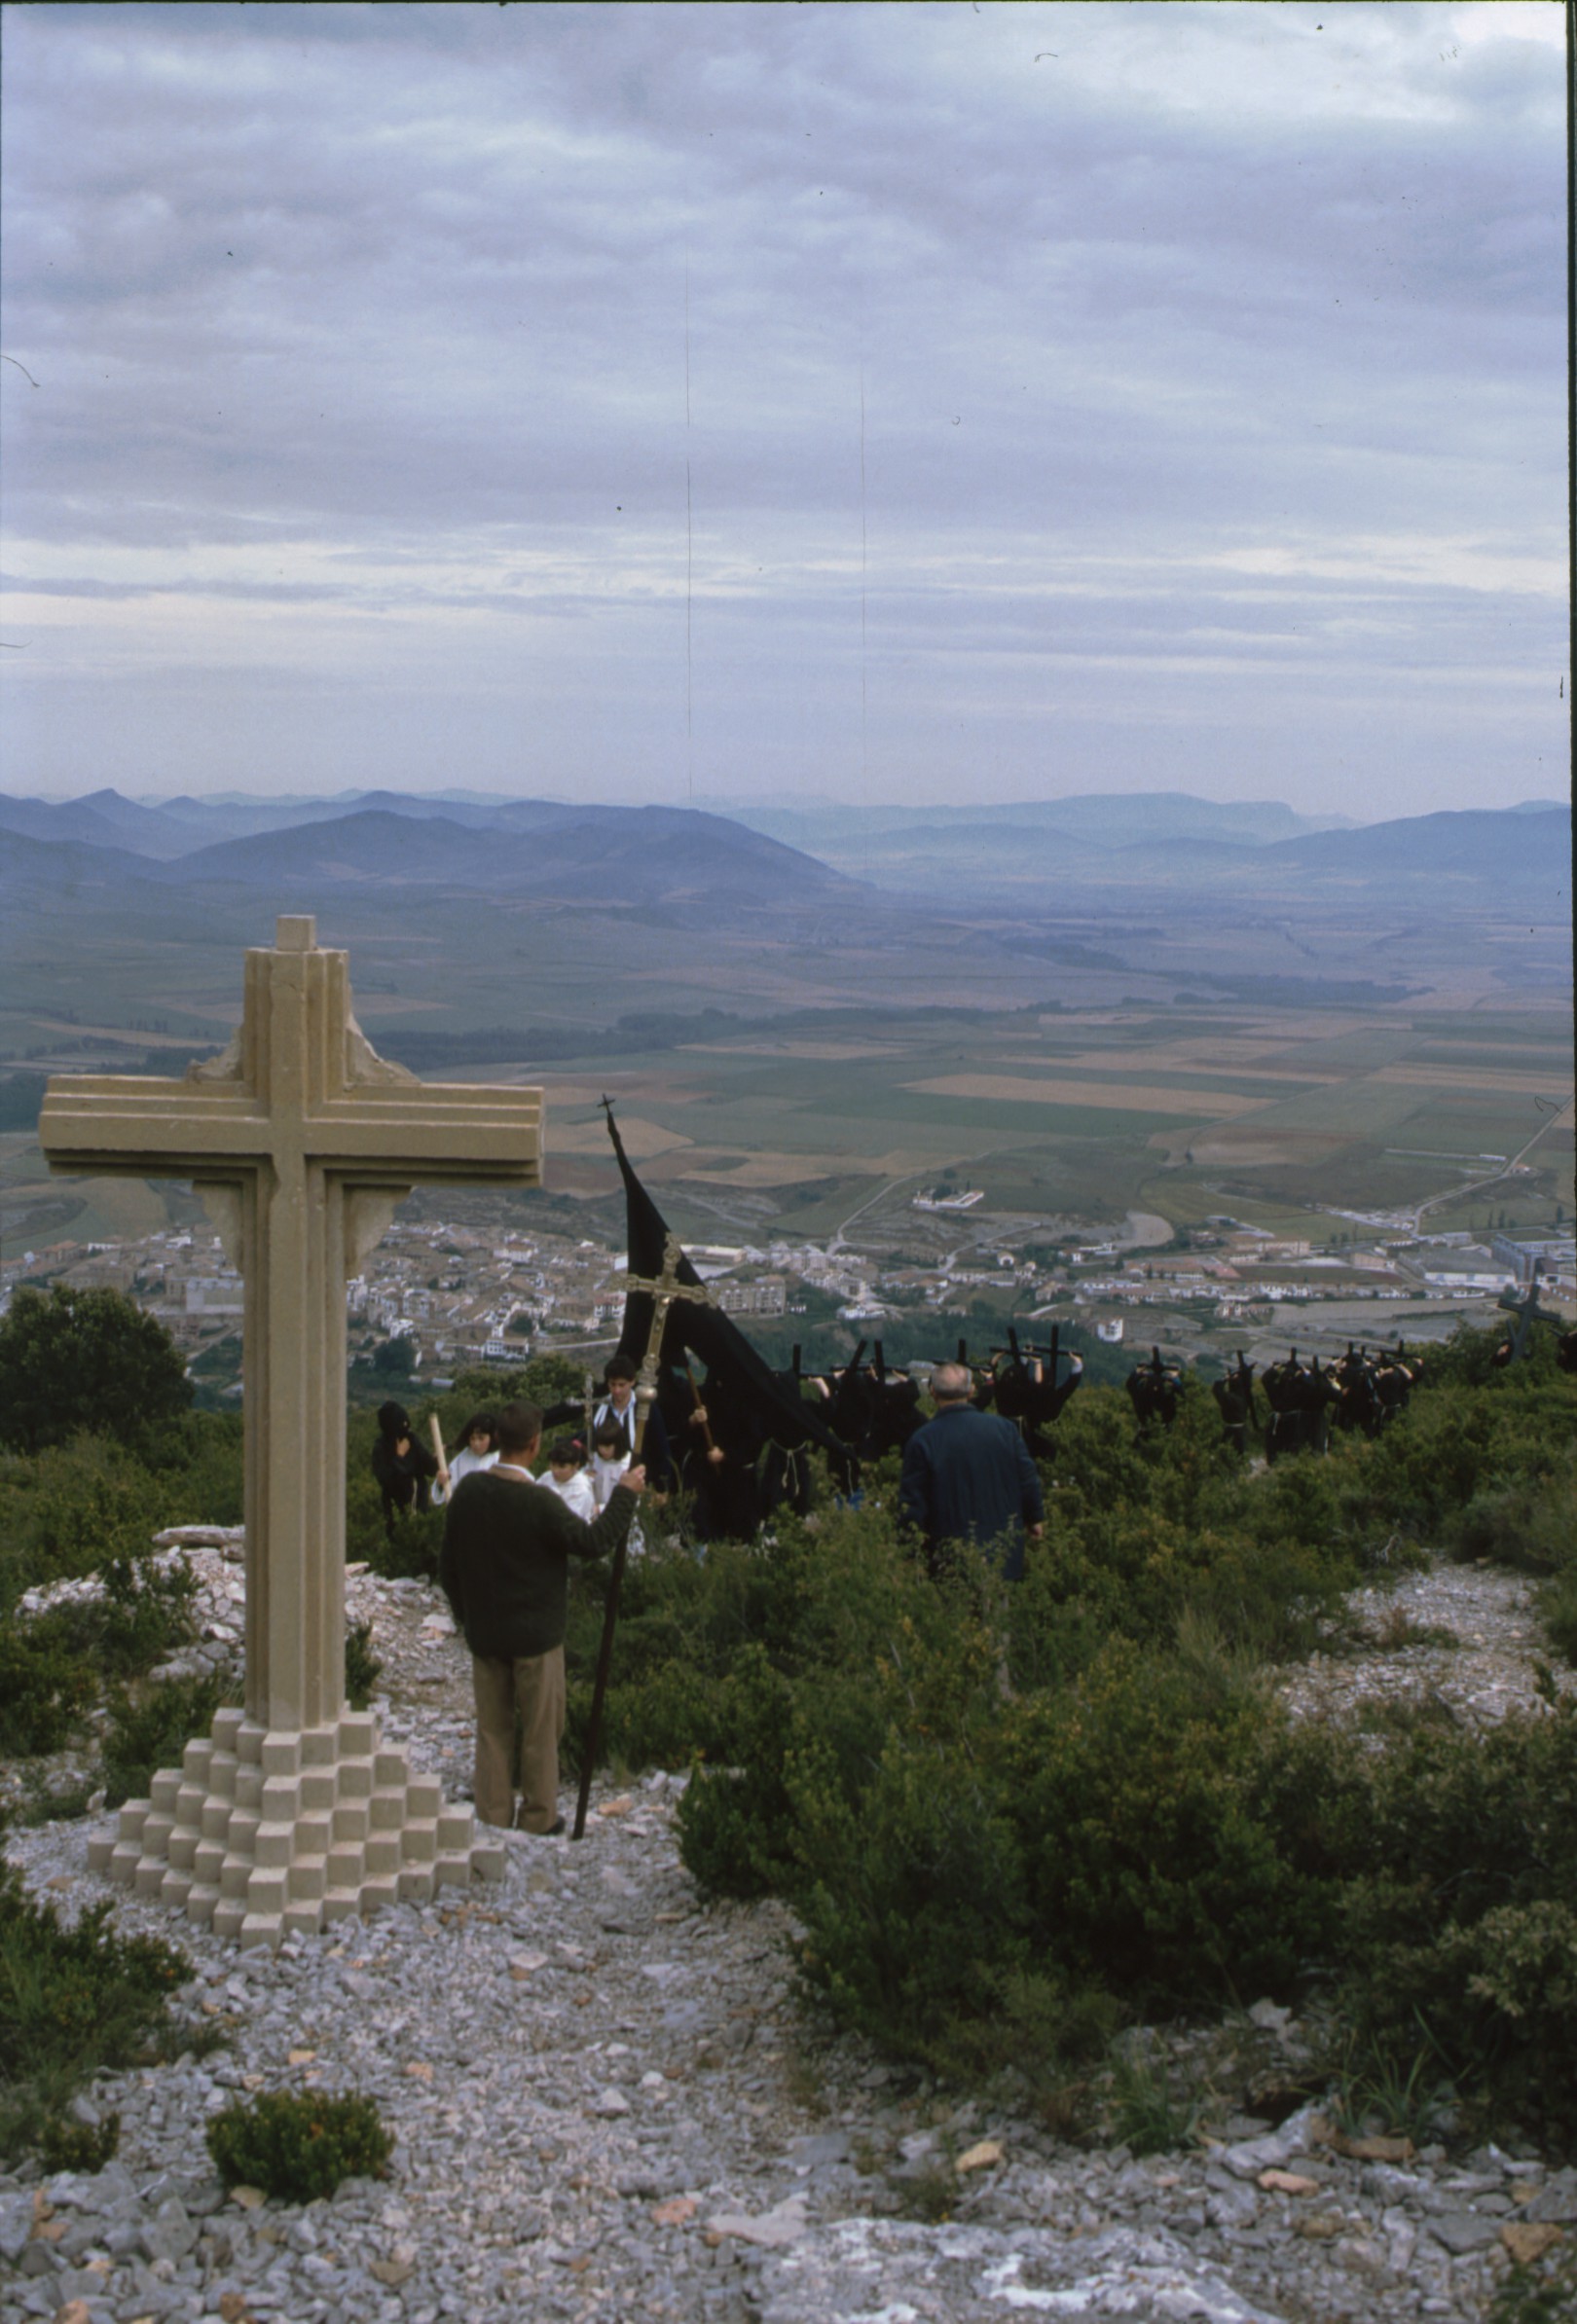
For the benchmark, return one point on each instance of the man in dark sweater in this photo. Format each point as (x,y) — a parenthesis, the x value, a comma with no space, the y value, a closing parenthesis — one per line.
(967,1478)
(505,1571)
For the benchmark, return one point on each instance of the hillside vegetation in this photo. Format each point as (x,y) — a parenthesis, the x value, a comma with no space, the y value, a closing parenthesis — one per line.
(1010,1821)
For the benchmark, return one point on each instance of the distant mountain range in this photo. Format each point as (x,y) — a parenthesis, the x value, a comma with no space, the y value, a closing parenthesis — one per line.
(1165,839)
(834,828)
(1025,858)
(669,859)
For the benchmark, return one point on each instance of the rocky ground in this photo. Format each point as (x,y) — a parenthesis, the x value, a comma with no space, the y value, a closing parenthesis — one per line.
(1461,1643)
(607,2102)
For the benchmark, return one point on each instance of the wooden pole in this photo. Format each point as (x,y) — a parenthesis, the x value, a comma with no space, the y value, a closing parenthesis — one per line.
(644,1395)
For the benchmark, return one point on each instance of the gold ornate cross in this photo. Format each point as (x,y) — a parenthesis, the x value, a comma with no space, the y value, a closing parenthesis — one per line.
(665,1290)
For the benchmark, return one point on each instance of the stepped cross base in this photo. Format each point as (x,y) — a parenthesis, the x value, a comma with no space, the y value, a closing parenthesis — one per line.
(263,1835)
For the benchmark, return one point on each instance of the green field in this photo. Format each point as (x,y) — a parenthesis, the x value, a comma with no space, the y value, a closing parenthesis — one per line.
(1165,1101)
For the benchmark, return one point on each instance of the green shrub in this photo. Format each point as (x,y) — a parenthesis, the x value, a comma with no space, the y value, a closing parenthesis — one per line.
(735,1818)
(78,2146)
(65,1511)
(200,1463)
(913,1894)
(74,2001)
(1010,1820)
(73,1359)
(53,1665)
(151,1731)
(1156,1853)
(145,1614)
(363,1666)
(1460,1912)
(48,1681)
(1147,2115)
(297,2146)
(1545,2293)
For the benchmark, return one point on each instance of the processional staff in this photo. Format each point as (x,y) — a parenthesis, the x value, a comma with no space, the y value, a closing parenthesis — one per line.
(664,1288)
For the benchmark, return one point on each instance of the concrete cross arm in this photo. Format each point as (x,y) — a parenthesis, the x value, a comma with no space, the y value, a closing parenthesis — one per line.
(100,1123)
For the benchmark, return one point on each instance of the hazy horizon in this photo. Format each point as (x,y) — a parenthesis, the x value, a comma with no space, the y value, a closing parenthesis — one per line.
(758,403)
(705,803)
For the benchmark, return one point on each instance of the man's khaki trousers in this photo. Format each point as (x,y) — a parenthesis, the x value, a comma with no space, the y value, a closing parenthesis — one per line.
(530,1686)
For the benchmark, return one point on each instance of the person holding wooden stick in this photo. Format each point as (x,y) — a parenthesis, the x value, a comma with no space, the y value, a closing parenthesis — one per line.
(505,1571)
(475,1450)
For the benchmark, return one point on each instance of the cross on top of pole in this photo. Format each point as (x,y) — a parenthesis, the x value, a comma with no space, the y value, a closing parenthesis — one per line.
(669,1285)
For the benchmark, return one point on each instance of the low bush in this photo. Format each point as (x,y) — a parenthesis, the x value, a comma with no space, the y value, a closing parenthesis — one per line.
(75,2000)
(1460,1912)
(53,1663)
(151,1728)
(297,2146)
(144,1614)
(987,1876)
(64,1512)
(362,1667)
(78,2146)
(46,1682)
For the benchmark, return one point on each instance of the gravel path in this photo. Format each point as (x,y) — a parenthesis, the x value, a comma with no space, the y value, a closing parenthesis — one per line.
(608,2104)
(1466,1638)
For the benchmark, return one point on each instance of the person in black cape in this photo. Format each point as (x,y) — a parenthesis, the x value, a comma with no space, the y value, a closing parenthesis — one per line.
(762,1402)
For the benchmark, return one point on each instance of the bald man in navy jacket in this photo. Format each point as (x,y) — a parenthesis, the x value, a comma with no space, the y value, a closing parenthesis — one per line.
(967,1478)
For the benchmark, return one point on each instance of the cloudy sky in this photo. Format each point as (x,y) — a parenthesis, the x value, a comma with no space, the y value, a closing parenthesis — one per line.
(886,402)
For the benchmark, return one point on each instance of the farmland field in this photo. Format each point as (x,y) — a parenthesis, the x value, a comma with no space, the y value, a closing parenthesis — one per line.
(859,1056)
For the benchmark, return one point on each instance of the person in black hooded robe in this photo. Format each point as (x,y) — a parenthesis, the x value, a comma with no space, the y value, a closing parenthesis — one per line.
(723,1466)
(404,1468)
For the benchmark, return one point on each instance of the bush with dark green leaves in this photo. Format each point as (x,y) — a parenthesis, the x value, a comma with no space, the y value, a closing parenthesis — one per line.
(73,1359)
(150,1729)
(362,1667)
(71,1508)
(88,1507)
(53,1665)
(78,2146)
(298,2145)
(75,1999)
(1005,1817)
(1151,1842)
(74,1508)
(48,1682)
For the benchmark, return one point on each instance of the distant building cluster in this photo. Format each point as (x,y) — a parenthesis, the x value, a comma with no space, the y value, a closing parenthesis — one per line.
(463,1297)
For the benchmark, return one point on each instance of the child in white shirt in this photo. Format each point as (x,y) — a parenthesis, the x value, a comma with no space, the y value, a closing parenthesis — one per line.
(610,1458)
(476,1451)
(567,1476)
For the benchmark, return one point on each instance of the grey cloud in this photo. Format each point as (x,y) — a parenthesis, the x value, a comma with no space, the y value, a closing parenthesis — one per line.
(383,278)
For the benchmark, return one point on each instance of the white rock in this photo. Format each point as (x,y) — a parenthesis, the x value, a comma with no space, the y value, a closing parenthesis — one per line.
(772,2230)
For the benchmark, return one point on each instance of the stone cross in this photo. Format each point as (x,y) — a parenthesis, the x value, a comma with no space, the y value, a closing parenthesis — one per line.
(301,1141)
